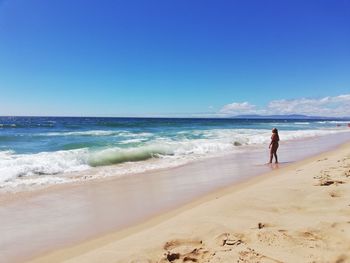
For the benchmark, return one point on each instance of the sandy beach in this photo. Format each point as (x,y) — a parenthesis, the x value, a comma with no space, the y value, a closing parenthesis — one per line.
(299,213)
(174,131)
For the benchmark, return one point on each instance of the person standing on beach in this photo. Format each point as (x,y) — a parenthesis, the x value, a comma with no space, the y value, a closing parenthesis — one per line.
(274,145)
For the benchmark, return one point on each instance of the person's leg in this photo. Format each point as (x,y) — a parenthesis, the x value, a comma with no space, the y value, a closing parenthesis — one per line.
(271,156)
(275,154)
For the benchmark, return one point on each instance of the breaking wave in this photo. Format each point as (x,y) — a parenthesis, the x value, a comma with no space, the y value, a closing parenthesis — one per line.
(180,147)
(117,155)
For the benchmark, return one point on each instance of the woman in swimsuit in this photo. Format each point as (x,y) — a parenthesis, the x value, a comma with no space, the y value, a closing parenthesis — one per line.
(274,145)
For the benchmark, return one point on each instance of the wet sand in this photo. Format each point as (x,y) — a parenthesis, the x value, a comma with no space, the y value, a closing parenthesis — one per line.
(63,216)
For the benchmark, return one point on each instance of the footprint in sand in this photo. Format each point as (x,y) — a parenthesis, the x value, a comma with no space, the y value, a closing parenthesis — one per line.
(185,250)
(330,182)
(234,248)
(272,238)
(227,239)
(310,239)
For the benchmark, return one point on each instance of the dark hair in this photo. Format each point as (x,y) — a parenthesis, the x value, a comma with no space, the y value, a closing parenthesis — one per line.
(275,131)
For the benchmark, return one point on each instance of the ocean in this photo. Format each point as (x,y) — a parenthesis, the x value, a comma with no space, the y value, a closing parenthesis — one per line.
(42,151)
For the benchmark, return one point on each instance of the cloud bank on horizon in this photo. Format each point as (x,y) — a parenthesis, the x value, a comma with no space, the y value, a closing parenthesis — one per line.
(336,106)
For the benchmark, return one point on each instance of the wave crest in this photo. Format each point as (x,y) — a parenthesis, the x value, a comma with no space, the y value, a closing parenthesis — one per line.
(118,155)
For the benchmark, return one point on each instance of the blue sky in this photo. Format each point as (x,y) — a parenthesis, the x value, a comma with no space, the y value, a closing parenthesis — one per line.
(174,58)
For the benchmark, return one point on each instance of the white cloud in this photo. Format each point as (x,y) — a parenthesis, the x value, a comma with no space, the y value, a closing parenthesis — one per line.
(237,108)
(337,106)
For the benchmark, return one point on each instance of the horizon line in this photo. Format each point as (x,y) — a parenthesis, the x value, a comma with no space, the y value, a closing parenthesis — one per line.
(253,116)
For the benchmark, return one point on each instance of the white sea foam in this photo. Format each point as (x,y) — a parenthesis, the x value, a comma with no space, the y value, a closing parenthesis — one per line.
(84,133)
(14,166)
(97,133)
(35,182)
(335,122)
(21,170)
(136,140)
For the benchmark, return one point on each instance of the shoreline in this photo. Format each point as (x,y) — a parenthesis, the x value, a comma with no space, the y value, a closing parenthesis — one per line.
(79,212)
(98,246)
(100,173)
(8,196)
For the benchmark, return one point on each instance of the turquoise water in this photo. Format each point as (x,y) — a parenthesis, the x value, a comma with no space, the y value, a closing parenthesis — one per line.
(46,150)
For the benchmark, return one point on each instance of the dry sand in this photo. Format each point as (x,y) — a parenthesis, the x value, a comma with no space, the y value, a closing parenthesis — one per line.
(300,213)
